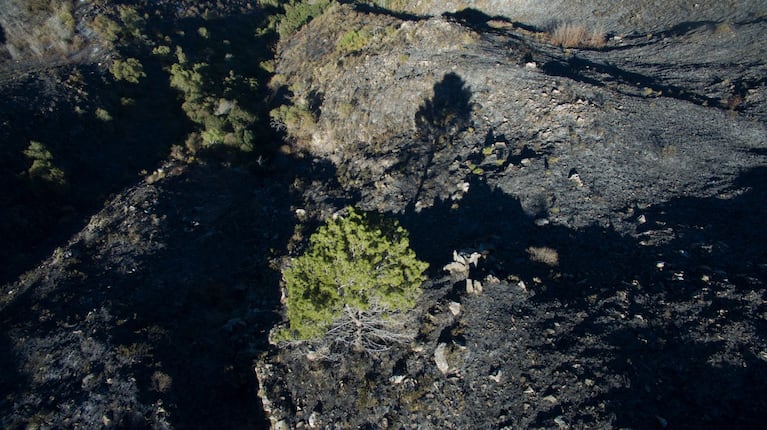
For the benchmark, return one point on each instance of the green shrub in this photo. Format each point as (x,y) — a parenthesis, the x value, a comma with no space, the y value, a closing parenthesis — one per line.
(106,28)
(356,267)
(130,70)
(223,120)
(42,167)
(352,41)
(103,115)
(296,119)
(133,23)
(298,13)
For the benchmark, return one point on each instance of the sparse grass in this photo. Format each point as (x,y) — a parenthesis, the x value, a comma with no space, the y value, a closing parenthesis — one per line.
(577,36)
(544,255)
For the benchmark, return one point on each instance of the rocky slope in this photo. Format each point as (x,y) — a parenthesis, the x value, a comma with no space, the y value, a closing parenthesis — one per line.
(613,200)
(616,196)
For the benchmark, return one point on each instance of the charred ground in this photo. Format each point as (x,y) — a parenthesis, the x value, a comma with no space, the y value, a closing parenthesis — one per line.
(616,195)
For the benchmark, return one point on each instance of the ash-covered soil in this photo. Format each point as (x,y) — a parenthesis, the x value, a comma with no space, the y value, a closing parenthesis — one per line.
(614,199)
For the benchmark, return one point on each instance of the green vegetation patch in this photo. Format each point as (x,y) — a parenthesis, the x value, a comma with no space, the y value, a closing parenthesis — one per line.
(353,41)
(130,70)
(298,13)
(354,263)
(42,167)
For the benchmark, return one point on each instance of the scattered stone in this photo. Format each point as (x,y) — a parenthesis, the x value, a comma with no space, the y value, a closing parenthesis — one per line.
(440,359)
(473,287)
(457,270)
(551,399)
(575,177)
(397,379)
(560,421)
(492,280)
(540,222)
(641,219)
(662,421)
(314,420)
(455,308)
(88,381)
(497,377)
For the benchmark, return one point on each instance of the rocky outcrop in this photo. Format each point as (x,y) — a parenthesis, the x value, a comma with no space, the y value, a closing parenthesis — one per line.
(554,111)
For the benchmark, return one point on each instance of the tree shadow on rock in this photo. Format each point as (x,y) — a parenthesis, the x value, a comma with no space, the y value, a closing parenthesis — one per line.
(485,218)
(480,21)
(440,118)
(438,121)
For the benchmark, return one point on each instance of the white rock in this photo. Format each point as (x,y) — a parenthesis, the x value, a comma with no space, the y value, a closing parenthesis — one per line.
(561,423)
(457,269)
(497,377)
(313,420)
(473,287)
(458,258)
(551,399)
(440,359)
(492,280)
(455,308)
(397,379)
(474,258)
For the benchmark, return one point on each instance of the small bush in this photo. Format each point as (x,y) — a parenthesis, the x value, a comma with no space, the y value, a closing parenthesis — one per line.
(130,70)
(106,28)
(294,118)
(223,120)
(298,13)
(358,272)
(103,115)
(352,41)
(42,167)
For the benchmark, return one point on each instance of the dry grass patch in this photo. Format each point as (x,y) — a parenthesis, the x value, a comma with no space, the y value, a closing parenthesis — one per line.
(544,255)
(577,36)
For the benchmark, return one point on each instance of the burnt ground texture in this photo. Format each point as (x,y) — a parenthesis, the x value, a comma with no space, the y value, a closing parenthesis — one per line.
(614,198)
